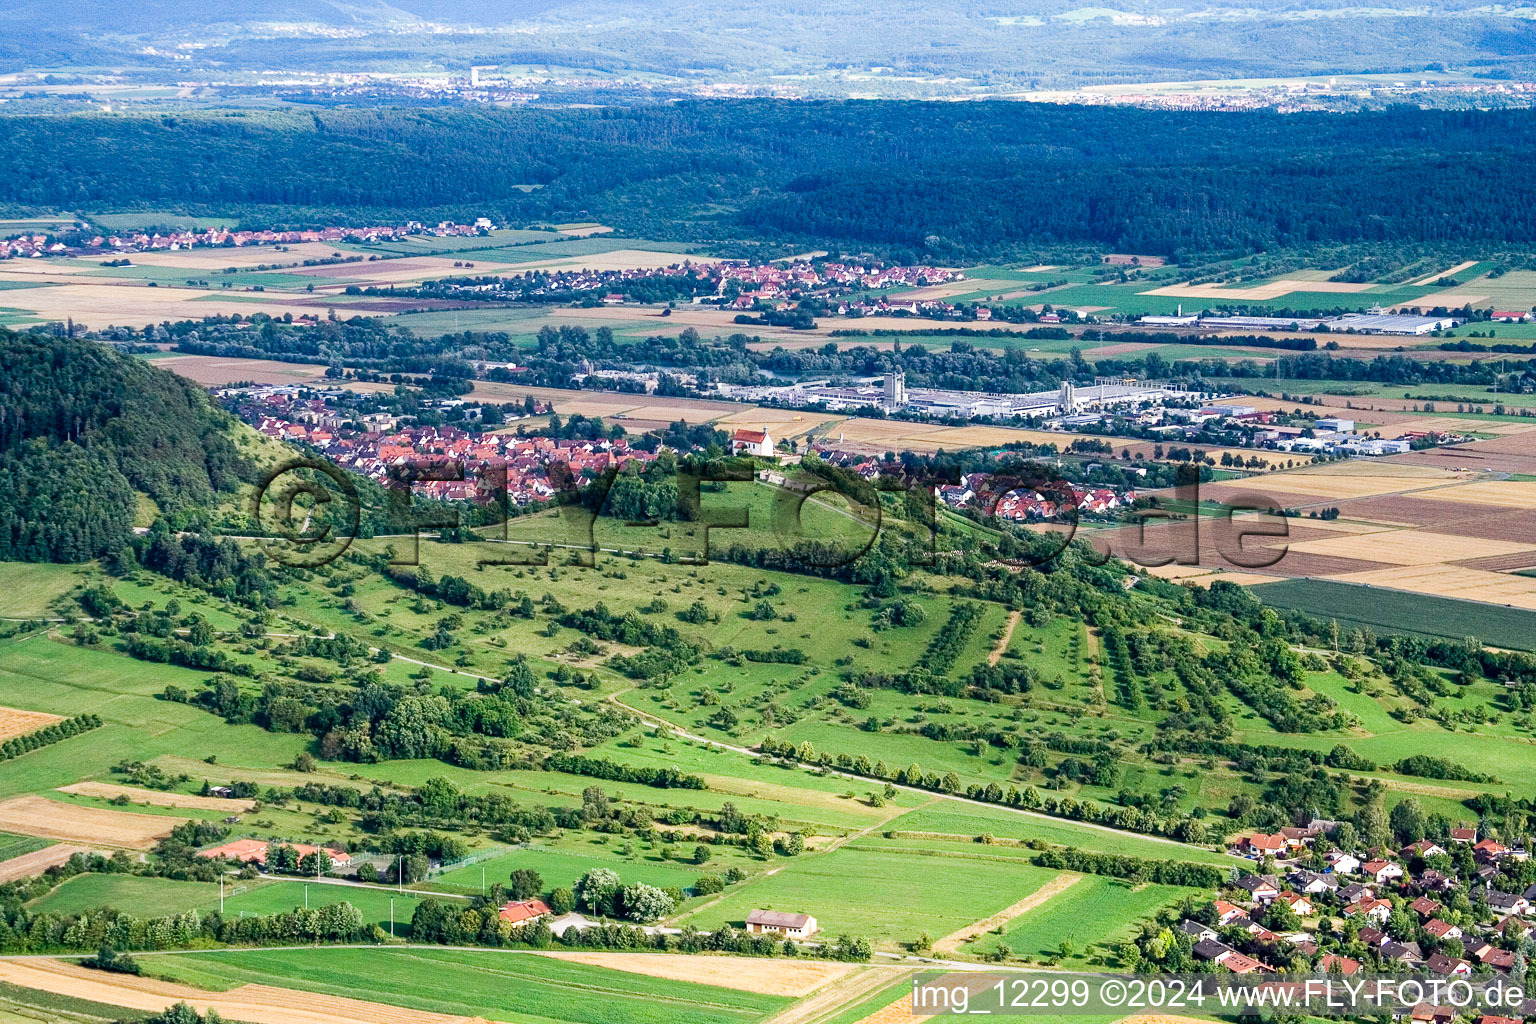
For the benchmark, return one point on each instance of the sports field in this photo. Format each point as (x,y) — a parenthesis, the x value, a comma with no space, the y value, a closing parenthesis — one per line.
(144,896)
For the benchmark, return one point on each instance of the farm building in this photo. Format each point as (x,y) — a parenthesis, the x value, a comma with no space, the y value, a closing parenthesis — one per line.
(795,926)
(254,851)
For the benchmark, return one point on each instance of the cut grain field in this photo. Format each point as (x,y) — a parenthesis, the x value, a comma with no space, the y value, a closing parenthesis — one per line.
(15,722)
(15,865)
(257,1004)
(51,819)
(769,977)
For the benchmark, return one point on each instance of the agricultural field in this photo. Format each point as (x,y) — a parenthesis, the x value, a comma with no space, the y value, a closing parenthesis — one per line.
(529,987)
(884,893)
(1082,924)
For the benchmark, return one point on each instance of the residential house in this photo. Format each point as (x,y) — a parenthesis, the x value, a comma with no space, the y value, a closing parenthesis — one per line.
(520,912)
(1514,928)
(1342,863)
(1406,953)
(1505,903)
(1259,887)
(1427,1014)
(1442,929)
(1422,848)
(1237,963)
(1312,883)
(1424,907)
(1197,931)
(1226,912)
(1462,834)
(1449,966)
(1372,909)
(1501,960)
(1354,892)
(1298,903)
(1212,950)
(1489,850)
(1261,844)
(1332,963)
(1383,871)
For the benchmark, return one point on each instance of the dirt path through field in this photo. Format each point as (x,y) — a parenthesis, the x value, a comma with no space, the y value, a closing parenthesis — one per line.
(155,798)
(829,1001)
(1055,887)
(257,1004)
(1002,643)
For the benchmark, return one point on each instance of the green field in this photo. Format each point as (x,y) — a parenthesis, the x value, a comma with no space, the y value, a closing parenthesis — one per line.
(519,987)
(1093,915)
(973,820)
(15,846)
(32,587)
(885,894)
(1396,611)
(561,868)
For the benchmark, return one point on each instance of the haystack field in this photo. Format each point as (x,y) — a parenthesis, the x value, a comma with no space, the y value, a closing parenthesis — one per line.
(1503,493)
(245,256)
(1260,292)
(1409,547)
(52,819)
(1450,300)
(103,305)
(256,1004)
(156,798)
(1339,485)
(217,371)
(768,977)
(1452,581)
(407,270)
(15,722)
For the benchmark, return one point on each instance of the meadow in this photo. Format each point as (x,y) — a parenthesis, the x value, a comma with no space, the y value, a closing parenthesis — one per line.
(885,894)
(1091,917)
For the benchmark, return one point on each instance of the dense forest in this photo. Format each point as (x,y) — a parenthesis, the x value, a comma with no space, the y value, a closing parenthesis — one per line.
(82,429)
(921,181)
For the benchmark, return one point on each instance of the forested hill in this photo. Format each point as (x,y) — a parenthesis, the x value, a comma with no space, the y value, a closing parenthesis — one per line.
(948,181)
(83,429)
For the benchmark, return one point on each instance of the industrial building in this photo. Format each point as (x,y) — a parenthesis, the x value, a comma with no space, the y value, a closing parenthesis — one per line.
(1371,322)
(890,394)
